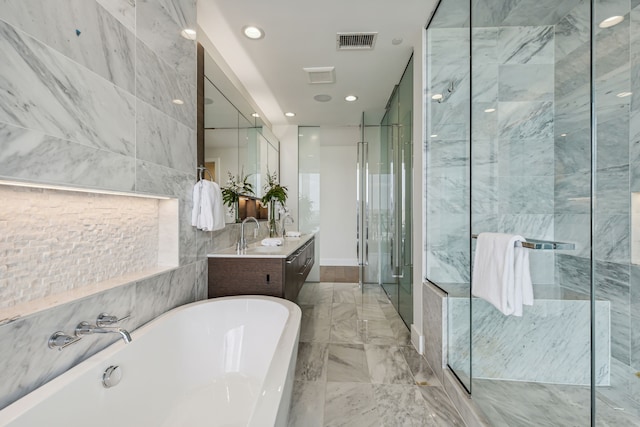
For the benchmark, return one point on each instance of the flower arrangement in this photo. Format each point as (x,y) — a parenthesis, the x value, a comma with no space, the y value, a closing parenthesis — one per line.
(273,192)
(236,187)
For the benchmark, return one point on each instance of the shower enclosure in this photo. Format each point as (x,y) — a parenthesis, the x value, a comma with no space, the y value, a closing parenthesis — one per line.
(533,128)
(385,168)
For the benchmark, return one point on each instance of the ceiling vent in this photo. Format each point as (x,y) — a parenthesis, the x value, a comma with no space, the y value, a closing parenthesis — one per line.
(321,75)
(355,41)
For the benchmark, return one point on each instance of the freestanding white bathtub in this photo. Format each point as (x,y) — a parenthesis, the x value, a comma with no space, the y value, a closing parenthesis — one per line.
(221,362)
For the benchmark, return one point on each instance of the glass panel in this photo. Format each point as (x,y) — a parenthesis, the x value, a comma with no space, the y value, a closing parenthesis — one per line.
(447,174)
(616,220)
(531,175)
(378,206)
(405,193)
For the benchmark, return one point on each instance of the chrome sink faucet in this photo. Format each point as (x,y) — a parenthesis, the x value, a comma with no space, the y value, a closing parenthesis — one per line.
(105,324)
(284,222)
(242,244)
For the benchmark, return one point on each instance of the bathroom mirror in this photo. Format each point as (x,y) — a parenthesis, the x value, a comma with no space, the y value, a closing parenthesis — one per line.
(235,142)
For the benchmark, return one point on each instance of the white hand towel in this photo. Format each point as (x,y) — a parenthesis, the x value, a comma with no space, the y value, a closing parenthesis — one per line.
(293,234)
(208,209)
(501,272)
(272,241)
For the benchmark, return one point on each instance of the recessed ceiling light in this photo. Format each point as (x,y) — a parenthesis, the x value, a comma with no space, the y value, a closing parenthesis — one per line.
(563,134)
(489,110)
(188,34)
(322,98)
(611,21)
(178,101)
(437,97)
(350,98)
(434,135)
(255,115)
(290,114)
(624,94)
(253,32)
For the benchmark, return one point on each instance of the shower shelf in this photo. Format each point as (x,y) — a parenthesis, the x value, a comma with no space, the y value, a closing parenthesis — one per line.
(543,244)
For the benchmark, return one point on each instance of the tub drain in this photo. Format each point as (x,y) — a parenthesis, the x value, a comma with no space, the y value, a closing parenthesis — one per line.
(112,376)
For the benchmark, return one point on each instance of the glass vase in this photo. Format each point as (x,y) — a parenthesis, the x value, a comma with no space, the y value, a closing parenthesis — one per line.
(236,208)
(273,225)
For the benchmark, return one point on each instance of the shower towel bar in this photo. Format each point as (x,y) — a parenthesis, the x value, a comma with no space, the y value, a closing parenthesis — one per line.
(543,244)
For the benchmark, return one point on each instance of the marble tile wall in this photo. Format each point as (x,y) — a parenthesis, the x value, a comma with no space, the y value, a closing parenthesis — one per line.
(511,155)
(86,91)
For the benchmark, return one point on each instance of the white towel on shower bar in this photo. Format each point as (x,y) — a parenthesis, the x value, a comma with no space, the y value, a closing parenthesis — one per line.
(501,273)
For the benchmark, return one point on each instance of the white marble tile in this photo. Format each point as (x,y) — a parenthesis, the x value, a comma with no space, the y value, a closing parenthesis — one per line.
(441,410)
(573,30)
(35,156)
(158,84)
(526,82)
(612,240)
(200,291)
(311,364)
(350,405)
(484,45)
(401,405)
(55,24)
(123,10)
(525,120)
(161,293)
(307,405)
(419,367)
(162,140)
(315,325)
(56,96)
(541,12)
(347,363)
(526,45)
(159,24)
(521,349)
(387,365)
(434,327)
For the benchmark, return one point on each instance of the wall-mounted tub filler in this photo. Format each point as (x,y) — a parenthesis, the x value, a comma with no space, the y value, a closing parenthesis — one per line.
(105,324)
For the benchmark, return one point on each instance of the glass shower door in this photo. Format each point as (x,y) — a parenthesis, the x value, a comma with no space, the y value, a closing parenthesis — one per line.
(397,144)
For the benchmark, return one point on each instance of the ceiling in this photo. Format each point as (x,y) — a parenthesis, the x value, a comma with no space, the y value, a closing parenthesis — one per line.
(301,34)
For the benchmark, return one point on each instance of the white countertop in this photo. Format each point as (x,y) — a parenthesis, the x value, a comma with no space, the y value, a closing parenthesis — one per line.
(256,250)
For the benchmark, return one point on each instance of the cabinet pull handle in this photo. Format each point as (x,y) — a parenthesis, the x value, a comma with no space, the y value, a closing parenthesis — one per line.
(304,267)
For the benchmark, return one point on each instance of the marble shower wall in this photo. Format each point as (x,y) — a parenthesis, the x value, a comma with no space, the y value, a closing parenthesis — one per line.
(508,166)
(86,90)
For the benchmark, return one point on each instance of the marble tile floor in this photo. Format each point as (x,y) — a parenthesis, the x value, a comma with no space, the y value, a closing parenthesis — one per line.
(356,366)
(524,404)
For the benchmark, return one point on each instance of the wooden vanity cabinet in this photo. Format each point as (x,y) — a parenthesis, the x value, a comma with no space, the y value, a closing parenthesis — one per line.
(244,275)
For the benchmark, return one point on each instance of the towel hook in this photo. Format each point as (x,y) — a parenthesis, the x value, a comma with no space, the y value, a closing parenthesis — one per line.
(202,170)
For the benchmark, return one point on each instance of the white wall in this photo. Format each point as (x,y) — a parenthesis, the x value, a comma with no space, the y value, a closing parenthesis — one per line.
(288,137)
(338,196)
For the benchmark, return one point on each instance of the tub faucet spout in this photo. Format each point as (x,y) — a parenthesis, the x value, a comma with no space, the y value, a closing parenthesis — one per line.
(86,328)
